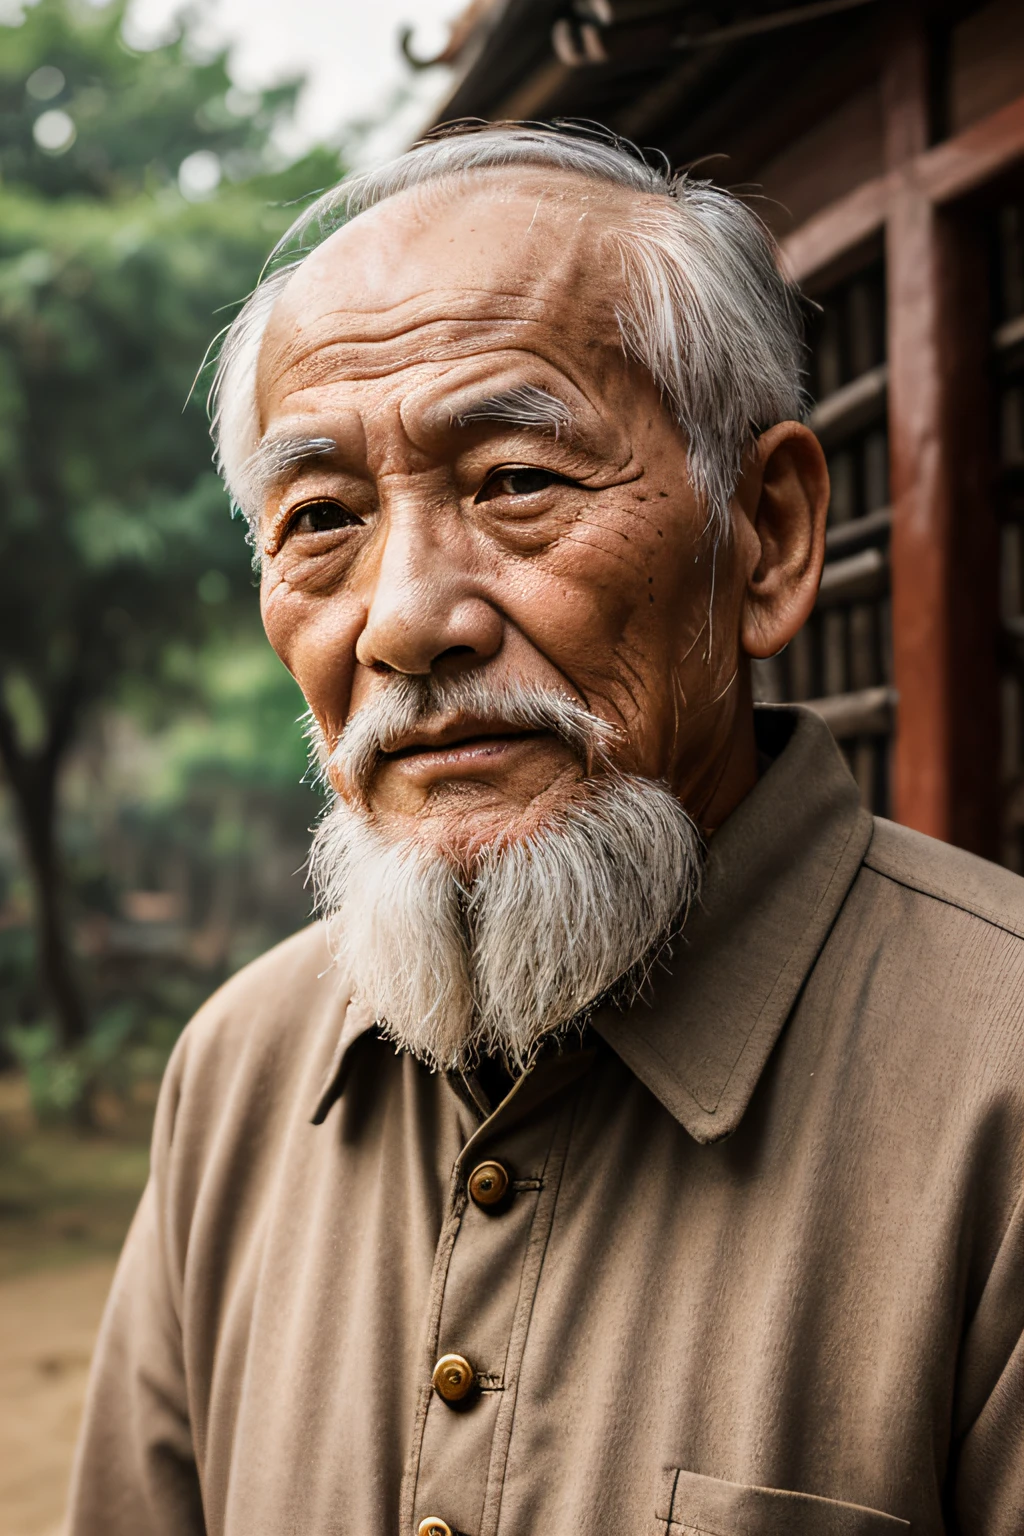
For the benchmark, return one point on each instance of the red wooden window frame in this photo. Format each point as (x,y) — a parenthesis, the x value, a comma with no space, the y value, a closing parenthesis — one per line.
(944,532)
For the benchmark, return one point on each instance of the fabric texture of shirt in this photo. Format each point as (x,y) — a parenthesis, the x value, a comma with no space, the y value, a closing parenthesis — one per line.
(760,1271)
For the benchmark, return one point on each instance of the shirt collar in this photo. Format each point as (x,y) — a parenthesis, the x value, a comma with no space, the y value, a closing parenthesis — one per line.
(778,871)
(358,1021)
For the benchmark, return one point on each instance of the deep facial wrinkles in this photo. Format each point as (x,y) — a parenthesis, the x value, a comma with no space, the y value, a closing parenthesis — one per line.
(599,584)
(444,316)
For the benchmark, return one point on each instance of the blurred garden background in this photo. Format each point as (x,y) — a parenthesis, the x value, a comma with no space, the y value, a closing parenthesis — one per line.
(154,804)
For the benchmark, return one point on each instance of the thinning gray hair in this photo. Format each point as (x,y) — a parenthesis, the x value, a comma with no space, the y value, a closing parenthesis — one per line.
(704,307)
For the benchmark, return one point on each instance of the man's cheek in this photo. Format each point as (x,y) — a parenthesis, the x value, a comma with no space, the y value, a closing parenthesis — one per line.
(277,613)
(585,597)
(316,642)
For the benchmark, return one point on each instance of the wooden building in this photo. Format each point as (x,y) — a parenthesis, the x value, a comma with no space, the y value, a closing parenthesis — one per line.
(884,144)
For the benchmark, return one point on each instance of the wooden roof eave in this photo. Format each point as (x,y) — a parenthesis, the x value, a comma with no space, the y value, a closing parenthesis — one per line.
(508,50)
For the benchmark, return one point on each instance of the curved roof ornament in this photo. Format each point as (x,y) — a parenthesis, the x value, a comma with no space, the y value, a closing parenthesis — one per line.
(462,30)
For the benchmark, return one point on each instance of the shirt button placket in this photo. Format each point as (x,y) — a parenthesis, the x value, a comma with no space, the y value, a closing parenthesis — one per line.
(486,1272)
(467,1378)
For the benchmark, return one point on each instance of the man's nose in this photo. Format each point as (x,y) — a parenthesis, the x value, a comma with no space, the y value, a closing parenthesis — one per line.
(425,607)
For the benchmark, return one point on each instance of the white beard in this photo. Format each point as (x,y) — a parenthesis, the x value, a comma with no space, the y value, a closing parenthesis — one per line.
(544,928)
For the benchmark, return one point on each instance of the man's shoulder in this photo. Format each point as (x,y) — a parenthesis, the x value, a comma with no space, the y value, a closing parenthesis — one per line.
(290,976)
(942,933)
(934,958)
(940,873)
(247,1071)
(270,1015)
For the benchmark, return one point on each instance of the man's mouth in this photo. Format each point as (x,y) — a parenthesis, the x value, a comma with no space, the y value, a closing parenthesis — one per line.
(461,748)
(479,734)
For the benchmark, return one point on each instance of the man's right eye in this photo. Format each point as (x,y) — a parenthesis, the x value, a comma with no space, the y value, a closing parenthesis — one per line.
(323,517)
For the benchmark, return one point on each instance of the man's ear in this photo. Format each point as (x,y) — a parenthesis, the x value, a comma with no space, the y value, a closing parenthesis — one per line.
(782,499)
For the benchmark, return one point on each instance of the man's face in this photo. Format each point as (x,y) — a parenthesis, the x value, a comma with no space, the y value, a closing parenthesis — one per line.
(431,533)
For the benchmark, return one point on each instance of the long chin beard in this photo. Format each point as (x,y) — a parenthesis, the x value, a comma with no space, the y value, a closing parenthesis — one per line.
(454,968)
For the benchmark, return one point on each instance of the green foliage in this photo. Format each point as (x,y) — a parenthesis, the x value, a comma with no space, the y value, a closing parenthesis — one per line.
(243,731)
(124,584)
(223,793)
(136,115)
(60,1080)
(111,511)
(111,287)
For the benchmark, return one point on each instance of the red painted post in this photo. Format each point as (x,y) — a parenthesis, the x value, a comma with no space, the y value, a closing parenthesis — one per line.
(944,553)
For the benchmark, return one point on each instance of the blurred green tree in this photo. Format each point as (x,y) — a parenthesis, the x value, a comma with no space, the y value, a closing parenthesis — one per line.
(138,198)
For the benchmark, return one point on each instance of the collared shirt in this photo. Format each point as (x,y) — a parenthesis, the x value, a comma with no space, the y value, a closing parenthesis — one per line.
(759,1270)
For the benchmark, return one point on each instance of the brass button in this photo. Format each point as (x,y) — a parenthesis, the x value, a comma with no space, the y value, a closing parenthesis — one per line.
(433,1525)
(488,1184)
(453,1378)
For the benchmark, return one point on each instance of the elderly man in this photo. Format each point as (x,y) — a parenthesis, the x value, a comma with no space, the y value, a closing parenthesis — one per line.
(637,1145)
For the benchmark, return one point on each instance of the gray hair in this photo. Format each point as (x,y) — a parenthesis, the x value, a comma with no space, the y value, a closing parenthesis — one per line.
(705,309)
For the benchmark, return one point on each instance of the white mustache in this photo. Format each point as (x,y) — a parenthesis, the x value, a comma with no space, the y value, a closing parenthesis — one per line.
(410,702)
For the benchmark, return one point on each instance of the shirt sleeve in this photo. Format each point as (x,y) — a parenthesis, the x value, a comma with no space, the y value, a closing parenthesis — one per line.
(135,1469)
(988,1487)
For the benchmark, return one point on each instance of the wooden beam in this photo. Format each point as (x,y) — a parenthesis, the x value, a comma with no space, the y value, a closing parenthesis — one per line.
(533,96)
(830,234)
(951,170)
(976,156)
(943,561)
(855,406)
(920,538)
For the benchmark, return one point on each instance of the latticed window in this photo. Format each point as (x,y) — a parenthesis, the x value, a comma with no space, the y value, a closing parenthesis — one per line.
(841,662)
(1008,346)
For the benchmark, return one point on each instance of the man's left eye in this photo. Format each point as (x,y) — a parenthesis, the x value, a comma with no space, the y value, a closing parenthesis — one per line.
(323,516)
(518,482)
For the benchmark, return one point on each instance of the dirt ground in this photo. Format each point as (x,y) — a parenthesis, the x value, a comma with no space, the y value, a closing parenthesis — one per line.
(65,1204)
(48,1322)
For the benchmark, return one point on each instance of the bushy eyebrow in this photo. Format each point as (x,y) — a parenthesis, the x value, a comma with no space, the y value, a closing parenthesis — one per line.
(525,405)
(276,458)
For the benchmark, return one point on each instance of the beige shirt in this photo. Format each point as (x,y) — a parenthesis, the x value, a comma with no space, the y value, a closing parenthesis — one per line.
(760,1271)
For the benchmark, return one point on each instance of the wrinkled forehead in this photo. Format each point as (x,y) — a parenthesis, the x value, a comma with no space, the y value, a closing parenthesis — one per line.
(521,260)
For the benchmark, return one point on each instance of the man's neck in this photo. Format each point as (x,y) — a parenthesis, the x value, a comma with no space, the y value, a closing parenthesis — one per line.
(731,771)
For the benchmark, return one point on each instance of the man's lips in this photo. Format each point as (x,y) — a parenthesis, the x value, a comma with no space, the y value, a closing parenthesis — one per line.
(478,744)
(458,736)
(461,750)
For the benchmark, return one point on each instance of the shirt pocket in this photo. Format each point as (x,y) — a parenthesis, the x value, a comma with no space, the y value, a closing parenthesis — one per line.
(691,1505)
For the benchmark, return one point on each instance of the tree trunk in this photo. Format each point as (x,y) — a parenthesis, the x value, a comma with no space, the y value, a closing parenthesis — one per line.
(33,783)
(53,950)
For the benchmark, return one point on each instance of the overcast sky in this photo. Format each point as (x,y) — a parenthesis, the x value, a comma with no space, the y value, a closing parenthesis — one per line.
(347,48)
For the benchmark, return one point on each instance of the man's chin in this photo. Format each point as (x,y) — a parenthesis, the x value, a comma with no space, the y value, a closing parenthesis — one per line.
(464,840)
(454,828)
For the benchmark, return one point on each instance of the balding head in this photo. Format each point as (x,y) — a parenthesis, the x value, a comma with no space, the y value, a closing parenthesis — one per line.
(703,309)
(518,230)
(496,259)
